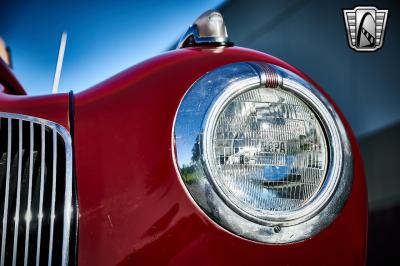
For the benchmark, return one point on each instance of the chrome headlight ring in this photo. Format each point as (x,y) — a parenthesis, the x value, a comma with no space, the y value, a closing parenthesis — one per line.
(194,124)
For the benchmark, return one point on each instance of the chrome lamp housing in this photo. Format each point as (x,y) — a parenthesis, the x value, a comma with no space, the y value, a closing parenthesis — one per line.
(263,186)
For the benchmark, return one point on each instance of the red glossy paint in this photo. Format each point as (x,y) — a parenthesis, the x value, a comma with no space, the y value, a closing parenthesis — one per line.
(134,209)
(50,107)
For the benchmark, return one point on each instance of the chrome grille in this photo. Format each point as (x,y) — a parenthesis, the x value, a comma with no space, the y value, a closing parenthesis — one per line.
(35,192)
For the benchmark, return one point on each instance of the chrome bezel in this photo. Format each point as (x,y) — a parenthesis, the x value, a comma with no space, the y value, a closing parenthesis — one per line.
(211,93)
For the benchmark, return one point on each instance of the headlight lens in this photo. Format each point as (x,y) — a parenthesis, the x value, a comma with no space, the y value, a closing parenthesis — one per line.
(268,152)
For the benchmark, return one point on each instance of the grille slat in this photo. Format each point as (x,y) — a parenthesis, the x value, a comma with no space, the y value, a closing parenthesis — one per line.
(6,194)
(36,192)
(53,196)
(40,214)
(3,165)
(18,199)
(32,157)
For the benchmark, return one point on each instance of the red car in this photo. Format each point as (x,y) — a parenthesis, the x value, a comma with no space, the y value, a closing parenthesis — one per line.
(210,154)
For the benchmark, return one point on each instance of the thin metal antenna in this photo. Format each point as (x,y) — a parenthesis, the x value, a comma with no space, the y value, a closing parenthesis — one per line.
(60,59)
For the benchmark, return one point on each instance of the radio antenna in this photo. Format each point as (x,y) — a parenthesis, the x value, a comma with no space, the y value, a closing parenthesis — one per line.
(60,59)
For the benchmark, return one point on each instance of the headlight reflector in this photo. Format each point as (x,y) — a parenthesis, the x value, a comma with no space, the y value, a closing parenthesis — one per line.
(268,152)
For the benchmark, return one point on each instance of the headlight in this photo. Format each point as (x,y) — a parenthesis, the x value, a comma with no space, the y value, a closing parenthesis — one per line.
(262,152)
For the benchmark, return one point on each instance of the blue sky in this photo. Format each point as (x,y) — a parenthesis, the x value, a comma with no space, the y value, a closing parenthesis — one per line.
(104,38)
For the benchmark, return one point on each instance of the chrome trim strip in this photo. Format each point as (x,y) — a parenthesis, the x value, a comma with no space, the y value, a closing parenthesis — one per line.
(200,106)
(5,216)
(53,196)
(17,204)
(28,215)
(40,214)
(68,194)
